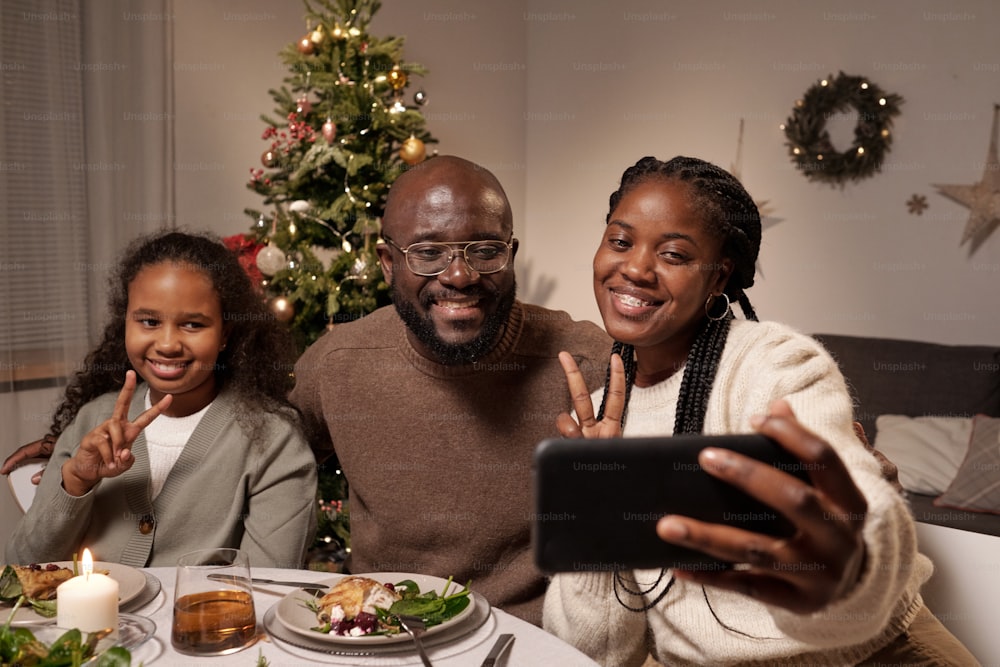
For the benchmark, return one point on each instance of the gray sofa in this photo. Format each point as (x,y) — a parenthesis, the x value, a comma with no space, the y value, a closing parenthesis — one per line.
(913,378)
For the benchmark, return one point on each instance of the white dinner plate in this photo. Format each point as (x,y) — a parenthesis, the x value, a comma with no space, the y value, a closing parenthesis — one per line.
(131,583)
(291,611)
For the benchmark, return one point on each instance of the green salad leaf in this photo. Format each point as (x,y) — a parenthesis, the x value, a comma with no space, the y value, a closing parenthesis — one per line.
(10,585)
(432,608)
(11,591)
(18,646)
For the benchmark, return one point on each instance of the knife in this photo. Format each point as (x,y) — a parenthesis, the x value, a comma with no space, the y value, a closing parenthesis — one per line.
(319,588)
(501,644)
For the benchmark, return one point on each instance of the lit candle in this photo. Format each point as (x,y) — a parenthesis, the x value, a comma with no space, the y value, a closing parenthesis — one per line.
(88,602)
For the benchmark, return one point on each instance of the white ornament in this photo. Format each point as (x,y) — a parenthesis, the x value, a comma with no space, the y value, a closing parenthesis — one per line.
(270,260)
(299,206)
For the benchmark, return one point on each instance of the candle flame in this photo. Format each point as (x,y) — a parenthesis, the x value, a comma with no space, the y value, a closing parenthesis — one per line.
(87,563)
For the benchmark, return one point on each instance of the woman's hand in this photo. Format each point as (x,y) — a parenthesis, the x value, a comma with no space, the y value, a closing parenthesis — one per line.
(107,450)
(588,427)
(821,562)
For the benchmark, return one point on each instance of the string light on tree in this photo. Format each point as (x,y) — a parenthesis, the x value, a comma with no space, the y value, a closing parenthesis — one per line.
(282,309)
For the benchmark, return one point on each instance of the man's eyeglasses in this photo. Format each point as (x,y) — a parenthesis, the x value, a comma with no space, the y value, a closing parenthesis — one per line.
(431,259)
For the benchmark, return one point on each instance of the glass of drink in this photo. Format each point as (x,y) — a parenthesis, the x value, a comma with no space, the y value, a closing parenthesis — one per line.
(213,603)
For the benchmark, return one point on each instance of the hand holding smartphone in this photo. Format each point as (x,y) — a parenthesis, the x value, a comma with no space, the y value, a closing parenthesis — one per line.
(597,501)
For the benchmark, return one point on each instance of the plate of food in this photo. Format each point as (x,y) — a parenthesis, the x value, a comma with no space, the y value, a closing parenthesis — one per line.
(38,583)
(361,609)
(55,645)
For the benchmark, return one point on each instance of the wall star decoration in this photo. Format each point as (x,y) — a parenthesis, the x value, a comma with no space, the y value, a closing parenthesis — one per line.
(917,204)
(982,198)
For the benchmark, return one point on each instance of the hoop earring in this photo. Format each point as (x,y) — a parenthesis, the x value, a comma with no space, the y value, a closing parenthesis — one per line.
(710,303)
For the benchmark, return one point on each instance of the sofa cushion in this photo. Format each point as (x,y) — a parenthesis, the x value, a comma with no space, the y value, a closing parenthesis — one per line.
(914,378)
(927,451)
(976,487)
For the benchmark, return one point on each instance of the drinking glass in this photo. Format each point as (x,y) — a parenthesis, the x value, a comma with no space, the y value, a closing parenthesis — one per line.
(213,603)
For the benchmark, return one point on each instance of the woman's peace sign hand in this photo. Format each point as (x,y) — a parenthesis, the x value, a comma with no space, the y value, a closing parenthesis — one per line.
(588,427)
(107,450)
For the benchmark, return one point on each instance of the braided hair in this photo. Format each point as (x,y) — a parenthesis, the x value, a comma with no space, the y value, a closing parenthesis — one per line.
(728,212)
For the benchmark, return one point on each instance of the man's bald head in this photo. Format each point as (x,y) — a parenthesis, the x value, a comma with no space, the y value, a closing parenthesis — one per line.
(449,184)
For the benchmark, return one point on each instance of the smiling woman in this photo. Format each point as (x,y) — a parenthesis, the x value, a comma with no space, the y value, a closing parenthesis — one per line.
(681,243)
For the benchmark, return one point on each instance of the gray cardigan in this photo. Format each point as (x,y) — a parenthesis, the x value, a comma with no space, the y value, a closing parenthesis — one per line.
(223,491)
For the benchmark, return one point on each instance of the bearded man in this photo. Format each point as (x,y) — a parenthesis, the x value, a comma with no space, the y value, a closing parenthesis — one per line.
(433,405)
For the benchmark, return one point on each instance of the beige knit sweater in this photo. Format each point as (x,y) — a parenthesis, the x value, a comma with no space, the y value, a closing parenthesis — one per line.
(761,362)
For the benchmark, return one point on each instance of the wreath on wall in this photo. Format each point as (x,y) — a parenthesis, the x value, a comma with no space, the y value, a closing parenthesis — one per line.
(809,142)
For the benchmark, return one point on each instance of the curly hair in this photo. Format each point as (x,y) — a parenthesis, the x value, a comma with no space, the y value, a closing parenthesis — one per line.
(728,212)
(259,354)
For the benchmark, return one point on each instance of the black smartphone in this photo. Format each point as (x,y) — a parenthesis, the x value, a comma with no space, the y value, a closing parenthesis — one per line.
(597,501)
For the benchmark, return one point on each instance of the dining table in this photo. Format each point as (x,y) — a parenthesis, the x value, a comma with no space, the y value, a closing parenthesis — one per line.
(531,645)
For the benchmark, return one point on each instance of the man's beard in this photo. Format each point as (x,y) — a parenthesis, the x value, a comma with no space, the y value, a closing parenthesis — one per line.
(453,354)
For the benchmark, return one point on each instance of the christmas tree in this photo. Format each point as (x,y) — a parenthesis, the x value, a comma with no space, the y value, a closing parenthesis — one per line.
(340,136)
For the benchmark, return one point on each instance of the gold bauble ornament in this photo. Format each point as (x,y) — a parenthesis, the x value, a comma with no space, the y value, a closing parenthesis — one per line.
(282,309)
(413,151)
(269,159)
(317,36)
(306,46)
(396,78)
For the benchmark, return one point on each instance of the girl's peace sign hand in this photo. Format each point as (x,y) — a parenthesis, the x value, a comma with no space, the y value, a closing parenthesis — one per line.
(588,427)
(107,450)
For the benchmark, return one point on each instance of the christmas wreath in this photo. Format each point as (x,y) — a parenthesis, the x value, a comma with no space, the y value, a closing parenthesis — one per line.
(809,142)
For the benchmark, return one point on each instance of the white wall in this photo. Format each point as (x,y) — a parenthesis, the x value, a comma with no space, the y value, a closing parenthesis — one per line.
(560,97)
(611,83)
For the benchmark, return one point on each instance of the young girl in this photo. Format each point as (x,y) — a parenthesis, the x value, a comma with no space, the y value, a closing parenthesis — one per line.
(680,244)
(205,452)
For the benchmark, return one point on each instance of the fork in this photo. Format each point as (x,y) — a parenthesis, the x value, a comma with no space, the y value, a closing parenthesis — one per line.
(414,626)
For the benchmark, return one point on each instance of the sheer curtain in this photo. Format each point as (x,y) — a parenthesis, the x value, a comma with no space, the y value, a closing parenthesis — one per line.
(129,120)
(86,165)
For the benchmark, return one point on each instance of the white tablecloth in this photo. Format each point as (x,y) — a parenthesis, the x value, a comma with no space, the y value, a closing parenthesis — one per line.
(532,646)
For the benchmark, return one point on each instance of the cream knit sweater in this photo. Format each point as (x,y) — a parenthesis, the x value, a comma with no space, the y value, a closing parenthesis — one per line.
(761,362)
